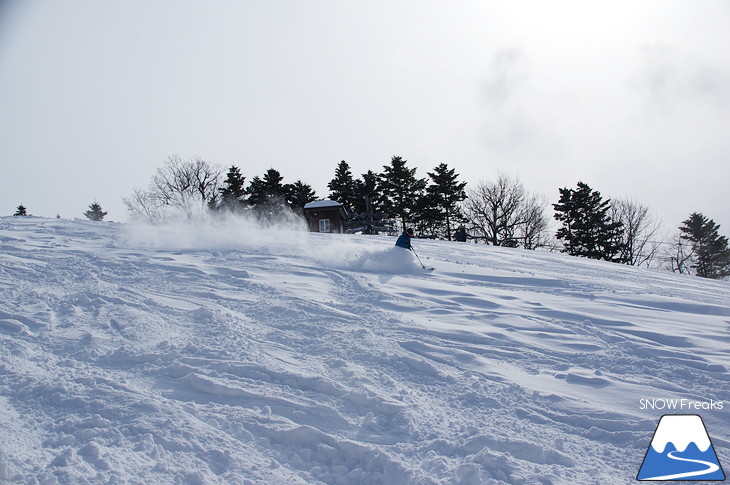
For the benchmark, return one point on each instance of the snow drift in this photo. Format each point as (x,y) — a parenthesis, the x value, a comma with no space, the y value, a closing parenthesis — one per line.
(219,354)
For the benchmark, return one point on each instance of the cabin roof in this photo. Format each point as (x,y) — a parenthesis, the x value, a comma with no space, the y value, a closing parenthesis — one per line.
(318,204)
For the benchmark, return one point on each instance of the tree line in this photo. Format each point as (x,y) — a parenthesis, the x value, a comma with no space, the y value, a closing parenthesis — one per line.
(499,212)
(95,212)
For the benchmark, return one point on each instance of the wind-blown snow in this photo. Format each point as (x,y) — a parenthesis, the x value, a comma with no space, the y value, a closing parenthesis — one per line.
(236,354)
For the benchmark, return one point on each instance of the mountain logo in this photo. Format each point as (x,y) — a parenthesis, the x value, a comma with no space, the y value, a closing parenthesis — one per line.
(680,450)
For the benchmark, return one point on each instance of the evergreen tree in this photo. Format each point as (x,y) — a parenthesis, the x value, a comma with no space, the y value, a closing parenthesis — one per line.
(368,197)
(428,217)
(344,188)
(255,191)
(711,255)
(21,211)
(95,213)
(233,192)
(272,184)
(261,191)
(368,216)
(587,230)
(444,195)
(400,189)
(299,194)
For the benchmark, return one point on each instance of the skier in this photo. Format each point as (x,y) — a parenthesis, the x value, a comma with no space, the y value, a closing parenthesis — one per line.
(404,240)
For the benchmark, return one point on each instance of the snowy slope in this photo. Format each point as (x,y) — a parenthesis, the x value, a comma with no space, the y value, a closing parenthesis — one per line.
(241,355)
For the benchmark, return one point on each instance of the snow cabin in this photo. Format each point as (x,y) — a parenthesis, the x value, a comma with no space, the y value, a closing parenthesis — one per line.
(325,216)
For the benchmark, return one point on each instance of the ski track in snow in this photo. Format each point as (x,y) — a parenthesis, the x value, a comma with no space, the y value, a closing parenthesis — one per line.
(125,361)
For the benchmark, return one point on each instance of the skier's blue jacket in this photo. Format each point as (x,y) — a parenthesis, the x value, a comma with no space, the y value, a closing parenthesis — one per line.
(404,241)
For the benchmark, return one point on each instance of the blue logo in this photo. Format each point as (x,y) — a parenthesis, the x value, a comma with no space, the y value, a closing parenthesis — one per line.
(680,450)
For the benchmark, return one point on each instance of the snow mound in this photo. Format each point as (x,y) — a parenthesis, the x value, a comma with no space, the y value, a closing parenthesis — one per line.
(392,260)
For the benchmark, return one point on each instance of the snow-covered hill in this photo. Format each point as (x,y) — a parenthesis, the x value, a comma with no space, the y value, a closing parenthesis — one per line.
(209,355)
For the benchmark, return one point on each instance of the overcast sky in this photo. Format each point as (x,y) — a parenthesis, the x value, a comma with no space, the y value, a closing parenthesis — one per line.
(631,97)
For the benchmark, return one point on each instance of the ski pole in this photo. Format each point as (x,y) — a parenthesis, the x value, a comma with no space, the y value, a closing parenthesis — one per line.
(419,259)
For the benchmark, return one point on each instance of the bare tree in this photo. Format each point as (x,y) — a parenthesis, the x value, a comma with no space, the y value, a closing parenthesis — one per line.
(680,255)
(179,182)
(143,206)
(492,208)
(188,186)
(640,232)
(506,214)
(534,230)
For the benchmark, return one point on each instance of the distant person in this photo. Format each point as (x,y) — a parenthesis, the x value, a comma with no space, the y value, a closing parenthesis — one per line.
(461,234)
(404,240)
